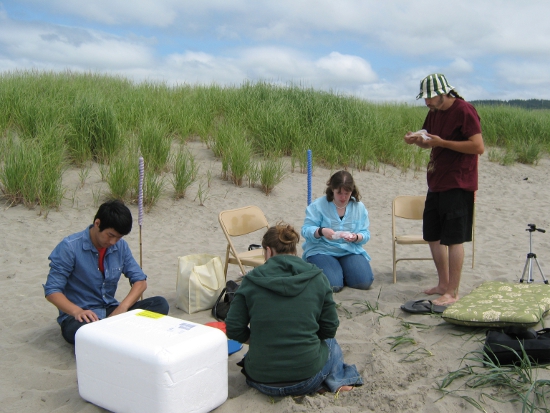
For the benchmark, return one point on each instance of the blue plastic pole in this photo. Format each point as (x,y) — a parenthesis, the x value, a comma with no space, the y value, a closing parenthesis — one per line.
(309,176)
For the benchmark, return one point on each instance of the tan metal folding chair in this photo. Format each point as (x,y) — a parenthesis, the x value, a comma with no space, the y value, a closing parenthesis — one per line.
(238,222)
(412,207)
(406,207)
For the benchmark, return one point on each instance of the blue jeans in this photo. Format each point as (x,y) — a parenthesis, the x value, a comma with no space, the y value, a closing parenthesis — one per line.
(352,270)
(70,325)
(334,374)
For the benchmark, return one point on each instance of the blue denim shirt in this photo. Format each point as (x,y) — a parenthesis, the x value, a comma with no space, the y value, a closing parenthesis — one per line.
(321,213)
(74,272)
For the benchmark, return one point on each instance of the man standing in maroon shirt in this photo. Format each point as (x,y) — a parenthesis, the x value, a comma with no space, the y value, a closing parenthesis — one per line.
(454,137)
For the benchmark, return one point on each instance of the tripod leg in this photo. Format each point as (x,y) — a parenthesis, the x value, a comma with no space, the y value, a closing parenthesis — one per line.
(524,269)
(541,273)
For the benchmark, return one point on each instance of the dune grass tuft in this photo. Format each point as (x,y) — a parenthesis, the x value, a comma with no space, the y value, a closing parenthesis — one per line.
(32,170)
(271,172)
(515,383)
(184,172)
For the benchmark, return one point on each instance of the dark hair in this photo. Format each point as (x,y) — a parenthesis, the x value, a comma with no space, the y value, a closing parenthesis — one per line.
(114,214)
(344,180)
(453,93)
(282,238)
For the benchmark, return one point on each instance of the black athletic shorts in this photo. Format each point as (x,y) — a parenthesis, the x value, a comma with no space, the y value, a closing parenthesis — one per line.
(448,216)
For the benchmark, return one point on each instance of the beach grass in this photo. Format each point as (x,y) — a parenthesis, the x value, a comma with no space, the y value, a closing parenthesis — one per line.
(123,177)
(94,132)
(118,179)
(271,172)
(97,114)
(153,185)
(203,193)
(154,144)
(516,383)
(185,169)
(32,169)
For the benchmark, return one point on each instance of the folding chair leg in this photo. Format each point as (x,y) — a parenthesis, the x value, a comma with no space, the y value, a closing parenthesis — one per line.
(394,265)
(226,262)
(243,271)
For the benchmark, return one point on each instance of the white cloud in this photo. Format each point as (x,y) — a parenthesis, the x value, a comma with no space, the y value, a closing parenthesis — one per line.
(281,65)
(346,69)
(530,75)
(426,27)
(274,63)
(460,65)
(69,47)
(148,12)
(272,31)
(387,91)
(226,32)
(201,68)
(373,49)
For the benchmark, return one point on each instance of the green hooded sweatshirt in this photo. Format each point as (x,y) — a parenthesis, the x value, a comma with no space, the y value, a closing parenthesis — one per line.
(286,311)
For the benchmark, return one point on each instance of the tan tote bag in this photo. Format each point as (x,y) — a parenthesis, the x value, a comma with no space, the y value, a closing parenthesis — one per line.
(199,283)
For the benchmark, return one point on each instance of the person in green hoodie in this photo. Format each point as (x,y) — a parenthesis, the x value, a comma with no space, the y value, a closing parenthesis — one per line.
(284,310)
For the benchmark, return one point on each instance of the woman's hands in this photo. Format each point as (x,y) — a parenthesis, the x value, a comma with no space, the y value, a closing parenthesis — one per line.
(327,233)
(352,237)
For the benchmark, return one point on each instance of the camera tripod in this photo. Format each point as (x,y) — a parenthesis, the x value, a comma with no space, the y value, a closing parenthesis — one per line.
(531,256)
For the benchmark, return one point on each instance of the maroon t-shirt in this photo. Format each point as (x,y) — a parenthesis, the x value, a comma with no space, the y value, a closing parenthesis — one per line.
(450,169)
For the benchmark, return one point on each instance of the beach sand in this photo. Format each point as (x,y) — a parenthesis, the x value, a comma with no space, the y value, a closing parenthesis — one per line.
(37,367)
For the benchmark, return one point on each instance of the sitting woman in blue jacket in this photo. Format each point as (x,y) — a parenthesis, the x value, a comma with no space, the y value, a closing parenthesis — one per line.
(285,311)
(335,229)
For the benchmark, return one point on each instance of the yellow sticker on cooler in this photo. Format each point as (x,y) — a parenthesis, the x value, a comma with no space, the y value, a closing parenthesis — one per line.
(149,314)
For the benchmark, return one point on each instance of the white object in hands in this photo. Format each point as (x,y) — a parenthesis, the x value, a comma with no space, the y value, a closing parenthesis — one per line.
(422,133)
(341,234)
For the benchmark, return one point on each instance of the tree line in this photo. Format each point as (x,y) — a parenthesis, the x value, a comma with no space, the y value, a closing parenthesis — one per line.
(520,103)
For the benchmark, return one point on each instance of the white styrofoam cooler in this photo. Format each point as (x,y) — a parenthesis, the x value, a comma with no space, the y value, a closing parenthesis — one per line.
(143,362)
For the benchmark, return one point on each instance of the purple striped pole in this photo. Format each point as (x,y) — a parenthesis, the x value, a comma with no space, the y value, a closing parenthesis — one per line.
(140,192)
(309,176)
(140,208)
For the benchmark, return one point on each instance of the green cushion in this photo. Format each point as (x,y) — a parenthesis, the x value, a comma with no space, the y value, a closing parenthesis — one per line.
(500,304)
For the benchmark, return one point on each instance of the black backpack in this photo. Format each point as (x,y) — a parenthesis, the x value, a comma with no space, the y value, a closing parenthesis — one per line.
(221,308)
(505,345)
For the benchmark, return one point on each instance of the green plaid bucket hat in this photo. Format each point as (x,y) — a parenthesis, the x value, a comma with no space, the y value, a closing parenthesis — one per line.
(434,85)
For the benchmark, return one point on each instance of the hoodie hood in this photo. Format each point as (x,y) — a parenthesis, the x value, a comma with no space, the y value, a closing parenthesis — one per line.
(286,275)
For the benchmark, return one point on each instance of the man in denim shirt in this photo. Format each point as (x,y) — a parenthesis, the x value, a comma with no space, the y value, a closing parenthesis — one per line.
(85,268)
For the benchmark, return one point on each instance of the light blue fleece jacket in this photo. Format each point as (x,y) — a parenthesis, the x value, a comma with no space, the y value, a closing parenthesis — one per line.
(322,213)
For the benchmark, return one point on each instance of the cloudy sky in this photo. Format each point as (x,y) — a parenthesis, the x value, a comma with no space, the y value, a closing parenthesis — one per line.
(377,50)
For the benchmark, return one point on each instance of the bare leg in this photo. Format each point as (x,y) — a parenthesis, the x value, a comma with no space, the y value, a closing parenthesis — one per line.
(441,260)
(456,259)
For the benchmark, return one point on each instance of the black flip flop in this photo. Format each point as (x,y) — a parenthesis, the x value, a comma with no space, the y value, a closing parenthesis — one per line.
(422,307)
